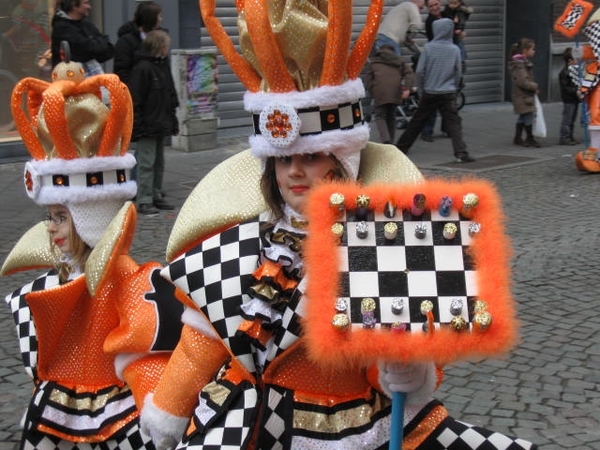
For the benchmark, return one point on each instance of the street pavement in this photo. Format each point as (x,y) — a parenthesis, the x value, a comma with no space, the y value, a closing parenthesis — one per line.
(547,389)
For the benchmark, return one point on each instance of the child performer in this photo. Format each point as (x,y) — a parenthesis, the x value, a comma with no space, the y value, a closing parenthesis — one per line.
(90,338)
(241,376)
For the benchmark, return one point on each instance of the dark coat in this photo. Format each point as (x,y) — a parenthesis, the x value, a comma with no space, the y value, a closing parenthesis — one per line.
(154,98)
(387,76)
(127,45)
(523,87)
(568,89)
(85,40)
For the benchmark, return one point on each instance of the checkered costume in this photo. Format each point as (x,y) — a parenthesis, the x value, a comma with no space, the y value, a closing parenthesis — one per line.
(300,404)
(80,345)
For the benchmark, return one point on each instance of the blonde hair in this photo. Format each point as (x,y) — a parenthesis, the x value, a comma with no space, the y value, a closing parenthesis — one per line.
(80,252)
(155,42)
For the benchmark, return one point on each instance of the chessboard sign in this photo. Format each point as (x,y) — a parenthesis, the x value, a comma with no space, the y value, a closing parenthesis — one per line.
(409,272)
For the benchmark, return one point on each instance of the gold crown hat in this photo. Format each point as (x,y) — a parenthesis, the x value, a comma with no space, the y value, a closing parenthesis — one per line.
(304,90)
(78,144)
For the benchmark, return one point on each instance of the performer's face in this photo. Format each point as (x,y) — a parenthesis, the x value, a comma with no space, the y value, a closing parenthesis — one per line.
(297,174)
(58,222)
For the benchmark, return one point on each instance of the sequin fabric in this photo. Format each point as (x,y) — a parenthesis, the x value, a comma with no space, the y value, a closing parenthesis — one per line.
(227,195)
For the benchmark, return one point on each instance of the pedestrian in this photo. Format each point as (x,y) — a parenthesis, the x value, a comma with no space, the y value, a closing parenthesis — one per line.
(154,104)
(389,79)
(523,90)
(569,93)
(399,22)
(437,77)
(435,12)
(72,322)
(88,45)
(147,17)
(242,375)
(459,12)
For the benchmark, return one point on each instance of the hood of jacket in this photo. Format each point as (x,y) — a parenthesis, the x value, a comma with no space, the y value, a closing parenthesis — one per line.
(443,29)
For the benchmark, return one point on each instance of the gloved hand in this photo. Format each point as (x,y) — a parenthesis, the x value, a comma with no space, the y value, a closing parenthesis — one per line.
(165,430)
(416,380)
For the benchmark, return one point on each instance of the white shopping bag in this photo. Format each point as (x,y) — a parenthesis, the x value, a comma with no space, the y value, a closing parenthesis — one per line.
(539,124)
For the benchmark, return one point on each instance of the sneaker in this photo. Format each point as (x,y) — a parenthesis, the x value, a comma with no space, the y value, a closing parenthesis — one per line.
(148,210)
(464,159)
(427,137)
(162,204)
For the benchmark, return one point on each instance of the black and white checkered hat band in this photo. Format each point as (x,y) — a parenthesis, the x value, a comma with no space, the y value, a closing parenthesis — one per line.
(60,181)
(326,119)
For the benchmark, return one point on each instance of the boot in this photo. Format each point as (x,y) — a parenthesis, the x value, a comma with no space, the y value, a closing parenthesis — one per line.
(531,142)
(518,140)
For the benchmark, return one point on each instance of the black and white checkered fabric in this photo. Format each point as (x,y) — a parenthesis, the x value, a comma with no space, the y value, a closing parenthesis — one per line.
(278,418)
(456,435)
(592,32)
(26,333)
(410,269)
(227,426)
(584,79)
(129,438)
(217,273)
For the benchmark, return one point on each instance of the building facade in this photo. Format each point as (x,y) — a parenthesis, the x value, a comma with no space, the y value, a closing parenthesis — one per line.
(493,26)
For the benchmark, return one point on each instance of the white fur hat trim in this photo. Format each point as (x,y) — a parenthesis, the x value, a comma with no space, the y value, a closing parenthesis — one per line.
(344,142)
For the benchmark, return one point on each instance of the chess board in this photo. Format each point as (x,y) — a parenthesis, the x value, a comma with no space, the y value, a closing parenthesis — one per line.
(393,280)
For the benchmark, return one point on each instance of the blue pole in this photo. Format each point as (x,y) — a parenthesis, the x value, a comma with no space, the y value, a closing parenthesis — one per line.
(397,424)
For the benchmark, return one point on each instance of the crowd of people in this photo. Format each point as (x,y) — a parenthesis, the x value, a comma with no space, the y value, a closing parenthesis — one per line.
(210,350)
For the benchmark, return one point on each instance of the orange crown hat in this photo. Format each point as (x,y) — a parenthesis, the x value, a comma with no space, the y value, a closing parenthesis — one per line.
(303,82)
(78,144)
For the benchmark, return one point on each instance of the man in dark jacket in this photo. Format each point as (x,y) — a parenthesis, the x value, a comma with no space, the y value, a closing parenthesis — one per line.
(87,45)
(147,17)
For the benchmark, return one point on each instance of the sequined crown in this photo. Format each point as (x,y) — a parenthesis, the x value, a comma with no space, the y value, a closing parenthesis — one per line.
(78,144)
(303,82)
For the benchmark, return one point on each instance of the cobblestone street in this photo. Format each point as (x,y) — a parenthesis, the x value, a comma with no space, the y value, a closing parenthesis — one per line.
(547,389)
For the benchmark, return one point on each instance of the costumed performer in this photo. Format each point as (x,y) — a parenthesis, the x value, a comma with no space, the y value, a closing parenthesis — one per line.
(586,75)
(241,375)
(88,324)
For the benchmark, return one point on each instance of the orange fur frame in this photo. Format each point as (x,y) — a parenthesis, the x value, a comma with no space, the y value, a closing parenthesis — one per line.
(490,251)
(573,18)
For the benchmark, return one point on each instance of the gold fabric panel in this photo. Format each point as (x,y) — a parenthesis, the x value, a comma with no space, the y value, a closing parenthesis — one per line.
(230,193)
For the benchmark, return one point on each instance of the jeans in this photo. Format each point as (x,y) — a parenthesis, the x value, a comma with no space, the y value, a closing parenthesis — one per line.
(526,119)
(383,39)
(446,105)
(567,123)
(150,154)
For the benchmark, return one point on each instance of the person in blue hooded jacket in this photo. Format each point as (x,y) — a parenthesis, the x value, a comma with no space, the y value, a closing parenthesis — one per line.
(437,79)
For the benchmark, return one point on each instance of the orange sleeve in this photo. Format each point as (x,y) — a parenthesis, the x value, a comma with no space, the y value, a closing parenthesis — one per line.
(143,375)
(192,365)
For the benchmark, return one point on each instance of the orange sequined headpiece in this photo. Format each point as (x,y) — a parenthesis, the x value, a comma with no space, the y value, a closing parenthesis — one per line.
(78,144)
(303,82)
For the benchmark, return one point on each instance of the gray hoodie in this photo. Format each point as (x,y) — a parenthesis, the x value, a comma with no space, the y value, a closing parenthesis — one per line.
(439,68)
